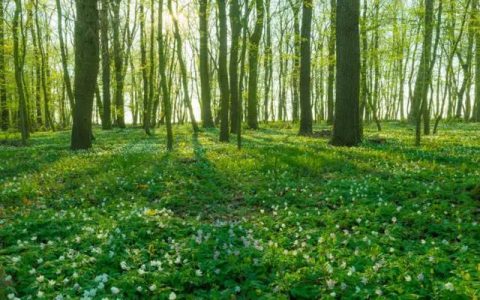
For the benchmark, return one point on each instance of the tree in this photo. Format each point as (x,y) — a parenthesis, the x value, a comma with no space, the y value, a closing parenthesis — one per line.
(236,27)
(331,62)
(295,6)
(223,72)
(253,66)
(167,108)
(306,120)
(45,70)
(19,60)
(106,113)
(424,75)
(86,71)
(144,68)
(4,118)
(476,20)
(268,65)
(119,66)
(183,67)
(206,106)
(346,128)
(63,52)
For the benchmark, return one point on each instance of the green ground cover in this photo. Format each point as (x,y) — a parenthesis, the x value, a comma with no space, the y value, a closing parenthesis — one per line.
(287,217)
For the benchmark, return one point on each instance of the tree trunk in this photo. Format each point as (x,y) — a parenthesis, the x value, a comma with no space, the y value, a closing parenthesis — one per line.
(331,63)
(204,68)
(419,101)
(253,66)
(4,114)
(119,62)
(86,71)
(306,121)
(22,107)
(183,68)
(223,72)
(295,5)
(236,27)
(476,112)
(63,53)
(268,68)
(106,111)
(144,68)
(346,129)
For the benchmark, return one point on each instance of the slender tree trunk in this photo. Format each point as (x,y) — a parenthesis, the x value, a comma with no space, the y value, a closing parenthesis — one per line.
(268,69)
(119,66)
(243,55)
(86,71)
(22,107)
(331,63)
(295,5)
(106,111)
(4,113)
(144,68)
(63,53)
(476,112)
(151,91)
(236,26)
(253,66)
(38,69)
(223,72)
(44,72)
(183,68)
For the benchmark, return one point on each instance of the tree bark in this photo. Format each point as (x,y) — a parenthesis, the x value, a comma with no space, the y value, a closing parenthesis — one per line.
(331,63)
(63,53)
(306,120)
(18,63)
(223,72)
(86,71)
(106,111)
(346,129)
(253,66)
(204,67)
(236,27)
(4,114)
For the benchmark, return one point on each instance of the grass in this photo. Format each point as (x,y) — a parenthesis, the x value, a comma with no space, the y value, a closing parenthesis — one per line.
(287,217)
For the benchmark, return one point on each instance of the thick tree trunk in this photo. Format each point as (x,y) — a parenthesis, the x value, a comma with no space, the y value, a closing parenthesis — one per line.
(306,120)
(206,100)
(346,129)
(419,101)
(86,71)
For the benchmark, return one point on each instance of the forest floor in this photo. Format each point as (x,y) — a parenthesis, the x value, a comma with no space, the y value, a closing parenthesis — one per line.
(286,217)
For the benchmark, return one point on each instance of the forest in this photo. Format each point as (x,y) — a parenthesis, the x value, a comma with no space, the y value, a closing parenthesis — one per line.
(239,149)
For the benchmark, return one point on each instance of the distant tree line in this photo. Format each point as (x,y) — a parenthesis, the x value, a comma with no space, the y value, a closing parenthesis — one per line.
(241,64)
